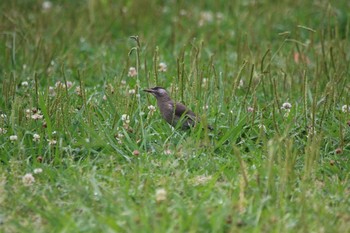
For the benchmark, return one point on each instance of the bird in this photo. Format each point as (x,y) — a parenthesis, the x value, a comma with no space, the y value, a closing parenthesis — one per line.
(173,112)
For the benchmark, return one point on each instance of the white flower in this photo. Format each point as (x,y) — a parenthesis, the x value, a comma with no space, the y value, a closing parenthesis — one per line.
(52,142)
(161,195)
(37,116)
(151,108)
(24,83)
(78,91)
(104,97)
(13,138)
(162,67)
(250,109)
(286,105)
(123,82)
(69,84)
(345,108)
(132,91)
(52,91)
(28,179)
(47,5)
(36,137)
(125,118)
(3,131)
(205,17)
(132,72)
(38,170)
(60,84)
(3,116)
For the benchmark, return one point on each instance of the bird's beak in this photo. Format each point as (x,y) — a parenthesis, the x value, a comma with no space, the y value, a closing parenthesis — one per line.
(148,90)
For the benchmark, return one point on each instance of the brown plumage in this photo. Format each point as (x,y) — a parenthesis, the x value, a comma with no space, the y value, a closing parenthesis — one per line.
(171,112)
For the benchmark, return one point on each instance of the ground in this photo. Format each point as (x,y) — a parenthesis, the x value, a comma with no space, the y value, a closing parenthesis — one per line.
(83,149)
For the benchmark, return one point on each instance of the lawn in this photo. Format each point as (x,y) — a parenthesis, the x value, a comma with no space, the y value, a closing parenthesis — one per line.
(84,149)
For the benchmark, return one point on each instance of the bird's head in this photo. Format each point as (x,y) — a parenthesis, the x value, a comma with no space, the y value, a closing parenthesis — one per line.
(158,92)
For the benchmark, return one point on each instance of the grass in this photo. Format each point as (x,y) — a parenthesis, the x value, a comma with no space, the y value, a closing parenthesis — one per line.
(110,164)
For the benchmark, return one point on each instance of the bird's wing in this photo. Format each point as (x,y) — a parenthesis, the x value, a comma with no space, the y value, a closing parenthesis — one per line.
(181,109)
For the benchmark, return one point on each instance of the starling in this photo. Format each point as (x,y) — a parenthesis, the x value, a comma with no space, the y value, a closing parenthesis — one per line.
(173,112)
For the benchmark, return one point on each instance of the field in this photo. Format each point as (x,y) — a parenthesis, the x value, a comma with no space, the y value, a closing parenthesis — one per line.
(84,149)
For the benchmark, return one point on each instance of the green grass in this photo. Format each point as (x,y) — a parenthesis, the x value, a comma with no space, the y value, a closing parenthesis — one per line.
(266,170)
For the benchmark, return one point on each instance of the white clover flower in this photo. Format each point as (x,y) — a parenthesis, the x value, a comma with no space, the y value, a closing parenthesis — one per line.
(104,97)
(46,6)
(345,108)
(125,118)
(69,84)
(151,108)
(60,84)
(24,84)
(52,91)
(28,113)
(36,137)
(161,195)
(132,72)
(205,17)
(132,91)
(162,67)
(119,137)
(3,116)
(123,82)
(286,106)
(250,109)
(38,170)
(13,138)
(78,91)
(52,142)
(28,179)
(37,116)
